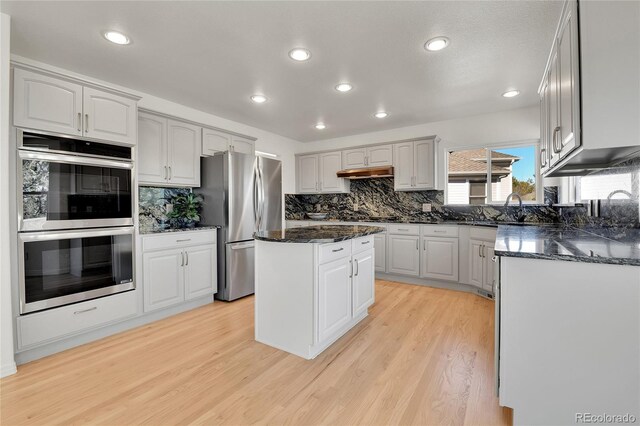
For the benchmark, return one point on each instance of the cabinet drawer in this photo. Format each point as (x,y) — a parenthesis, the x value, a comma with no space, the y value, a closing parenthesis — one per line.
(333,251)
(404,229)
(177,239)
(439,231)
(483,233)
(53,324)
(360,244)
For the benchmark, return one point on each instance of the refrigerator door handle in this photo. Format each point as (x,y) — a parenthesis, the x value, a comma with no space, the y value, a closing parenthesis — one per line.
(256,196)
(261,206)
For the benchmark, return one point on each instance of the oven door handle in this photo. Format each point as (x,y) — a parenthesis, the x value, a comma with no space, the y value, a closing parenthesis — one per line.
(74,159)
(64,235)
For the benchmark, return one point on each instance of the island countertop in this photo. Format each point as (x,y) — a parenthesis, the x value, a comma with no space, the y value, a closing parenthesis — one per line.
(318,234)
(617,246)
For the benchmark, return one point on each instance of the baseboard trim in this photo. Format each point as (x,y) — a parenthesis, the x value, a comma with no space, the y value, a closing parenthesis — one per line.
(435,283)
(8,369)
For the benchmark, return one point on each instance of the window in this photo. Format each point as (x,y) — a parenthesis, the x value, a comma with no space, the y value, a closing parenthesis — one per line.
(488,175)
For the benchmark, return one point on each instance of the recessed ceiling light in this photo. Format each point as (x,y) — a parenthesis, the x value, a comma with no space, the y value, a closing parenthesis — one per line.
(511,93)
(259,99)
(320,126)
(437,43)
(344,87)
(116,37)
(299,54)
(380,114)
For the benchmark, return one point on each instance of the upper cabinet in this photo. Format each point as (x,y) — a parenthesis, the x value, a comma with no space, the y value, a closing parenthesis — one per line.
(214,141)
(44,102)
(371,156)
(168,151)
(414,165)
(317,173)
(587,78)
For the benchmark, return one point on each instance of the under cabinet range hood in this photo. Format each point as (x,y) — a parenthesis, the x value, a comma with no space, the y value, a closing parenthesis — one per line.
(366,173)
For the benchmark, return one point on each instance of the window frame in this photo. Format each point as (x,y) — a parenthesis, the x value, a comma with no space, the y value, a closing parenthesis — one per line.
(539,201)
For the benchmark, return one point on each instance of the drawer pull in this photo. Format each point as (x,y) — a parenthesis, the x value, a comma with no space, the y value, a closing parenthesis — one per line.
(403,229)
(439,231)
(336,250)
(182,241)
(85,310)
(365,242)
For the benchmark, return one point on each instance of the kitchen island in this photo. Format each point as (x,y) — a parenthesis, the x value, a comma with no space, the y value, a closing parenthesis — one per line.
(313,284)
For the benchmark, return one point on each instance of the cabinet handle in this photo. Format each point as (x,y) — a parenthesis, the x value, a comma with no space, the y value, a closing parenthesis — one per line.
(85,310)
(337,250)
(366,160)
(351,268)
(439,231)
(79,122)
(365,242)
(554,140)
(170,174)
(483,247)
(182,241)
(480,251)
(166,176)
(357,267)
(424,245)
(417,245)
(543,161)
(182,257)
(403,229)
(186,253)
(86,123)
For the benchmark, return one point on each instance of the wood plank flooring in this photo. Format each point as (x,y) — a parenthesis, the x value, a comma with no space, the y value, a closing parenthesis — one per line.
(424,356)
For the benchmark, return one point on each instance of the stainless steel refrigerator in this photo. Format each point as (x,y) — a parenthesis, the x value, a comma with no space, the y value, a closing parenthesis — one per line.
(243,194)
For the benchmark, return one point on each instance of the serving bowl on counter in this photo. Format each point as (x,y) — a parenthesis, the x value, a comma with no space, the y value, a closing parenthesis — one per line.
(317,216)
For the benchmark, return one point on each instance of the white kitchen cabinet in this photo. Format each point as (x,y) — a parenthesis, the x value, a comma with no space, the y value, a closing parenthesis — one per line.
(152,148)
(168,151)
(489,266)
(183,143)
(414,165)
(439,258)
(481,264)
(44,102)
(214,141)
(317,173)
(380,246)
(363,281)
(177,267)
(404,254)
(108,116)
(370,156)
(545,147)
(334,296)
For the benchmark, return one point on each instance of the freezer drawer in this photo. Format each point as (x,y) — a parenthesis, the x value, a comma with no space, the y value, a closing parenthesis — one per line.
(240,272)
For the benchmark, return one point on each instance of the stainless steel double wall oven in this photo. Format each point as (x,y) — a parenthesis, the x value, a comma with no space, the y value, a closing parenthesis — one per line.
(75,219)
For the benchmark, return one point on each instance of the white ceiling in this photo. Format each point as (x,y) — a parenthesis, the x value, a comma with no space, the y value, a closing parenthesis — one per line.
(213,55)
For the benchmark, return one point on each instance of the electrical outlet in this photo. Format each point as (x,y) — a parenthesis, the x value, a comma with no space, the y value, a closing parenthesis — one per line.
(168,207)
(426,207)
(356,207)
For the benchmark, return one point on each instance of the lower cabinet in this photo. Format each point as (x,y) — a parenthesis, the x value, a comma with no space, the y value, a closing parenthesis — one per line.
(404,254)
(334,301)
(178,267)
(380,246)
(363,281)
(439,258)
(481,264)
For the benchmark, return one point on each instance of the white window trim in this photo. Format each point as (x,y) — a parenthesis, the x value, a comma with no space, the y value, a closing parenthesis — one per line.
(489,147)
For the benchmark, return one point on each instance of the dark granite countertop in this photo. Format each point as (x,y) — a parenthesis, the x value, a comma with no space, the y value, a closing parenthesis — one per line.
(617,246)
(147,231)
(489,223)
(318,234)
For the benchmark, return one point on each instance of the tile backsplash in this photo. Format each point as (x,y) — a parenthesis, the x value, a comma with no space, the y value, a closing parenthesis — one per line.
(152,202)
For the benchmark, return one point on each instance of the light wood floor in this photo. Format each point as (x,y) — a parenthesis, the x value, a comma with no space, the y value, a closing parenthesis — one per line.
(423,356)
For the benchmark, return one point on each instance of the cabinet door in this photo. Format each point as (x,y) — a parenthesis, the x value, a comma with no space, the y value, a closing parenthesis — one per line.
(476,270)
(363,281)
(307,172)
(424,165)
(330,165)
(354,158)
(200,271)
(46,103)
(242,145)
(380,248)
(488,266)
(440,258)
(554,110)
(568,96)
(214,141)
(403,166)
(544,125)
(152,149)
(334,297)
(404,254)
(183,140)
(381,155)
(108,116)
(163,281)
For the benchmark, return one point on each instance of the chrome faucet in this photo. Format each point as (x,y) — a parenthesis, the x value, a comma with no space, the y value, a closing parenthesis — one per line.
(514,194)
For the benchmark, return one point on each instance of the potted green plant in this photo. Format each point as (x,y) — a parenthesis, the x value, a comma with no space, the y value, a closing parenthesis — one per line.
(186,210)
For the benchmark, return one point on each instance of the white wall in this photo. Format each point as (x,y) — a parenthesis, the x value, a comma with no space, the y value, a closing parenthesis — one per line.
(486,129)
(270,142)
(7,363)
